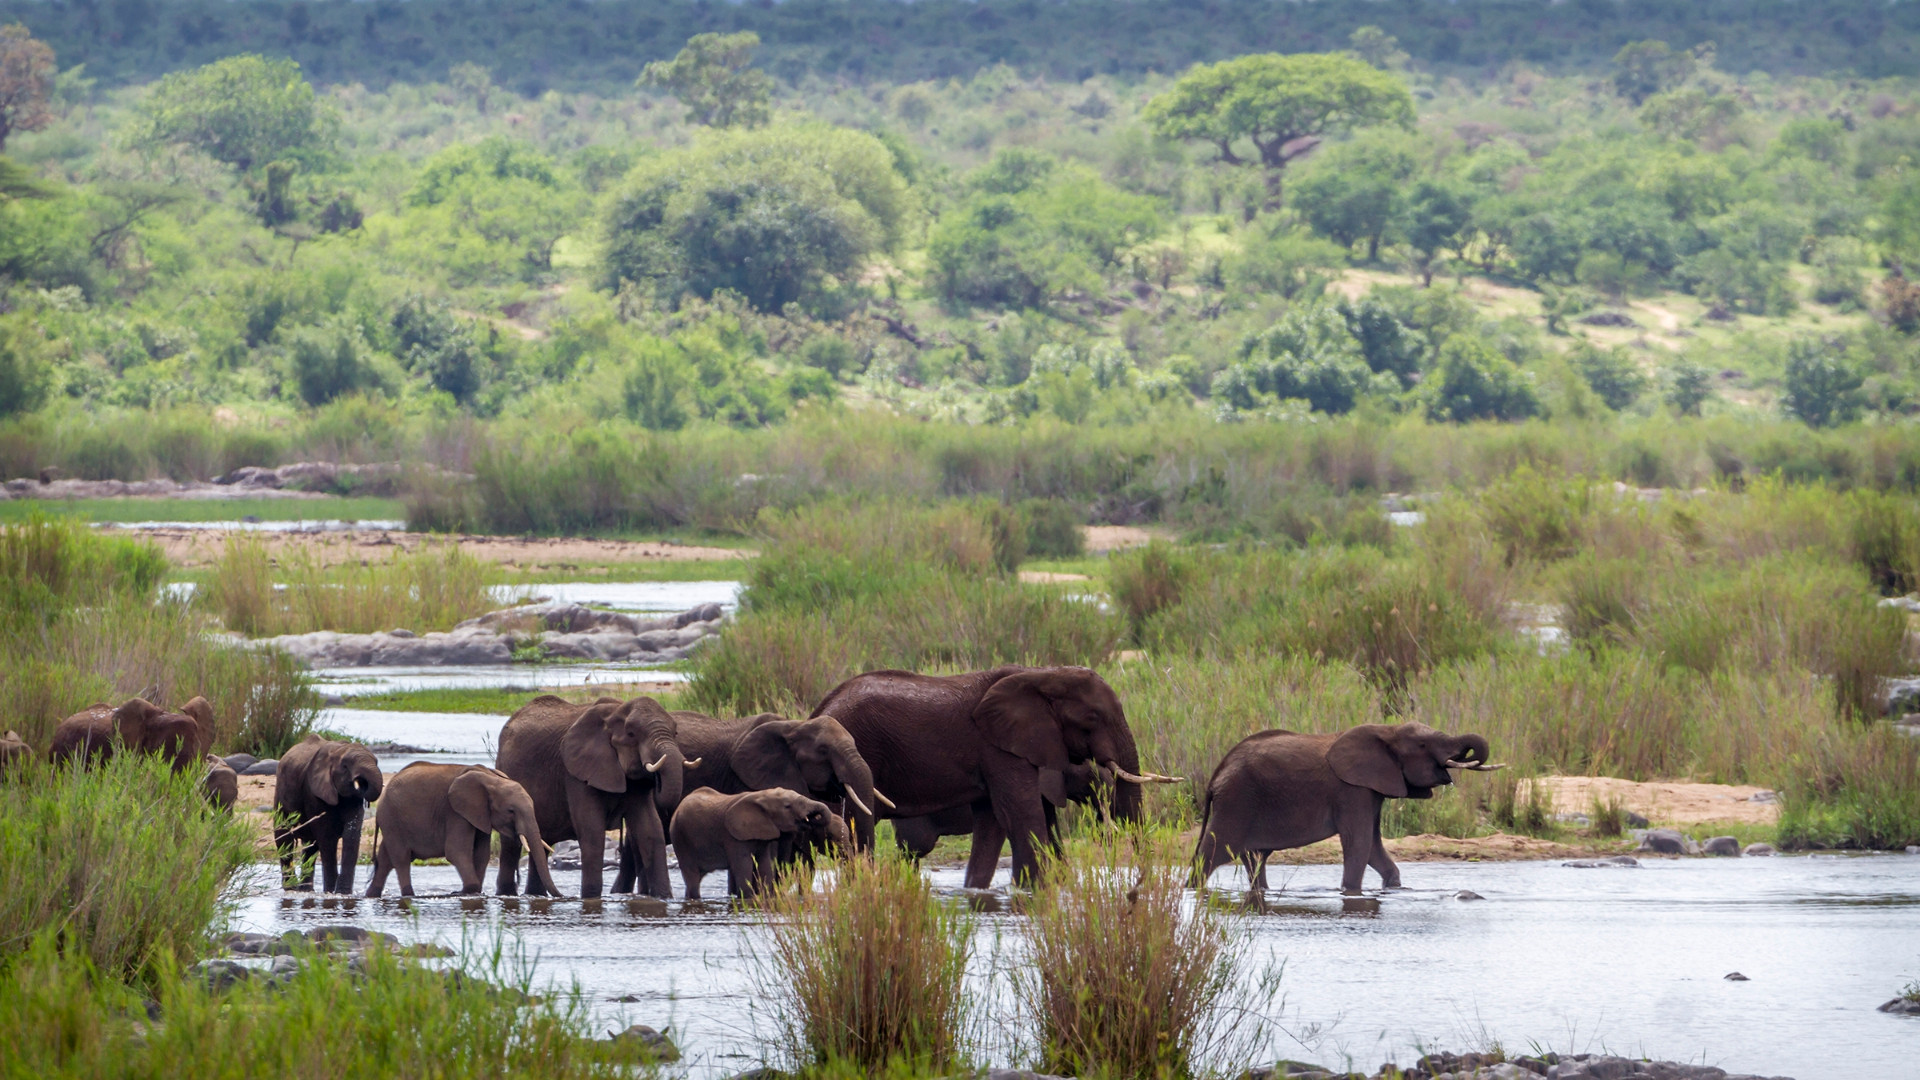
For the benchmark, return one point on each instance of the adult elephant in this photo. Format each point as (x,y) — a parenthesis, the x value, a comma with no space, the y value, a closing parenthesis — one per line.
(590,766)
(815,757)
(1006,745)
(138,725)
(320,795)
(1281,789)
(433,811)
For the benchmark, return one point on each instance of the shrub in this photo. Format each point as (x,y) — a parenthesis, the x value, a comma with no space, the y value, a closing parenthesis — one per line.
(1147,580)
(869,973)
(1472,381)
(130,864)
(429,589)
(1822,386)
(1125,979)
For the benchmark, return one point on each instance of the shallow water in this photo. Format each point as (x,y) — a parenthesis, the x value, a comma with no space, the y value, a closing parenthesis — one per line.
(456,738)
(355,682)
(1575,960)
(650,596)
(302,525)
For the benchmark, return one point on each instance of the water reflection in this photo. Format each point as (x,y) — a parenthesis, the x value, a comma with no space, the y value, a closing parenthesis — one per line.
(1559,957)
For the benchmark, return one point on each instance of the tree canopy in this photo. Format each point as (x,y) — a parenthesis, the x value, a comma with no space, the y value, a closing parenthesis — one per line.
(26,82)
(242,111)
(714,78)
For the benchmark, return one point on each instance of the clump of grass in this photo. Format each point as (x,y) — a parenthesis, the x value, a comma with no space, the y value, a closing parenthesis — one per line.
(380,1016)
(1126,977)
(1520,805)
(1450,812)
(128,864)
(429,589)
(1148,580)
(868,973)
(1852,788)
(1608,816)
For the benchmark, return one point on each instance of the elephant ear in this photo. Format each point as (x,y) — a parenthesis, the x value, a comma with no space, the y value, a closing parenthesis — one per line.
(320,769)
(762,758)
(470,798)
(202,712)
(1016,716)
(1361,757)
(750,818)
(587,749)
(132,718)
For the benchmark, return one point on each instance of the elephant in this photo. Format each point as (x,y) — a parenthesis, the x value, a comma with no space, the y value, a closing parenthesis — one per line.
(320,796)
(452,811)
(14,752)
(1007,746)
(586,767)
(182,737)
(1281,789)
(221,785)
(742,834)
(815,757)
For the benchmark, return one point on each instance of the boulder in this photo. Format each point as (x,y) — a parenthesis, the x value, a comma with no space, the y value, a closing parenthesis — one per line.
(1734,976)
(1721,845)
(1468,894)
(263,767)
(1761,850)
(220,974)
(1902,1006)
(256,945)
(646,1043)
(240,763)
(1637,821)
(1668,842)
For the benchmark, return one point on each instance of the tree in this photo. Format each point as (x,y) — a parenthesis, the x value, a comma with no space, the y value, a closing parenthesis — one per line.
(769,214)
(1822,388)
(1472,381)
(494,209)
(714,78)
(1276,102)
(24,372)
(17,182)
(1352,191)
(1610,373)
(1689,385)
(1438,218)
(1379,48)
(242,111)
(26,81)
(1310,355)
(1642,69)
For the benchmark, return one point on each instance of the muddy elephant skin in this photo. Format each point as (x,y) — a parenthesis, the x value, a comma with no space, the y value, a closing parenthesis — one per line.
(1006,747)
(431,811)
(96,732)
(320,796)
(1281,789)
(741,834)
(590,768)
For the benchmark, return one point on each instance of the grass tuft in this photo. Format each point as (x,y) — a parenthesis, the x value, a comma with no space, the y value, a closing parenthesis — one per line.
(425,590)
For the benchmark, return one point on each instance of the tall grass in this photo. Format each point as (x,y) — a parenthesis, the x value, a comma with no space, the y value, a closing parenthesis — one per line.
(1126,975)
(124,865)
(429,589)
(335,1020)
(80,622)
(868,973)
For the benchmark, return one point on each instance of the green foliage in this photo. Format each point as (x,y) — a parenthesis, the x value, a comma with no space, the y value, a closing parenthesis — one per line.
(1286,262)
(1472,381)
(1033,230)
(773,215)
(1645,68)
(713,78)
(1822,387)
(1352,191)
(25,374)
(242,111)
(1689,386)
(1610,373)
(1310,355)
(423,591)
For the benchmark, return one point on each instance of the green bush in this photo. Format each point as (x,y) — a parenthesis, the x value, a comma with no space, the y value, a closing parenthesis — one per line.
(1472,381)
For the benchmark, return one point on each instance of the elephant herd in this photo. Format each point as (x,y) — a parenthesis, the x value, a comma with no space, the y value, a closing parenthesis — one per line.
(994,755)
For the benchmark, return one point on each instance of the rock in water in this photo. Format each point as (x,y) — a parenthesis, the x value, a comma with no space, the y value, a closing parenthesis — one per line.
(1902,1006)
(240,763)
(1734,976)
(1468,894)
(1761,849)
(1666,842)
(1721,845)
(650,1044)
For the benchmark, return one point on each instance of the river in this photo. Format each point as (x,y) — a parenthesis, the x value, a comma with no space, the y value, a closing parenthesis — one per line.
(1625,960)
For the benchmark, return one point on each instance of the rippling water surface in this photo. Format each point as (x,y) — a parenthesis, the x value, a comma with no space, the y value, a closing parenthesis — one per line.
(1624,960)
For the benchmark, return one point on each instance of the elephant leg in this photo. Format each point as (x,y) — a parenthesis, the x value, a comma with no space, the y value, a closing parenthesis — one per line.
(1016,806)
(1255,863)
(403,870)
(1260,879)
(350,848)
(508,883)
(629,861)
(691,877)
(590,827)
(458,844)
(1209,854)
(1356,845)
(988,841)
(649,839)
(329,848)
(482,854)
(1380,860)
(382,864)
(739,869)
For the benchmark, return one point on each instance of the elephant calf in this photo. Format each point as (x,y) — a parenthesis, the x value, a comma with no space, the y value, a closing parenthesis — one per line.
(14,752)
(452,811)
(221,784)
(320,796)
(743,834)
(1281,789)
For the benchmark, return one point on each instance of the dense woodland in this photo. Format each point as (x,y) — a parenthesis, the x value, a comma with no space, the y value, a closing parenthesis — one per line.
(1389,227)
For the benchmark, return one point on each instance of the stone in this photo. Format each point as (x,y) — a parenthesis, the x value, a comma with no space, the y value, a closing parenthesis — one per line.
(1667,842)
(255,945)
(649,1044)
(1913,849)
(1902,1006)
(1637,821)
(1721,846)
(1596,1067)
(1734,976)
(1468,894)
(283,968)
(1760,849)
(263,767)
(240,763)
(1764,797)
(220,974)
(401,633)
(350,936)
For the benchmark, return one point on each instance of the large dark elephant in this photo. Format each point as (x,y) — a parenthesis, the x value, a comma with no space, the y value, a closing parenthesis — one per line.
(138,725)
(432,811)
(815,757)
(588,767)
(1281,789)
(320,795)
(1008,747)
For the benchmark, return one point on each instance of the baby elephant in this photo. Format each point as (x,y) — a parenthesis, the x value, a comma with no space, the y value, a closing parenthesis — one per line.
(742,834)
(1282,789)
(221,785)
(451,811)
(14,752)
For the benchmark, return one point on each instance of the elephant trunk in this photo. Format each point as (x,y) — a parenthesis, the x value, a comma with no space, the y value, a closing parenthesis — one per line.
(669,778)
(1473,748)
(536,853)
(1127,795)
(856,777)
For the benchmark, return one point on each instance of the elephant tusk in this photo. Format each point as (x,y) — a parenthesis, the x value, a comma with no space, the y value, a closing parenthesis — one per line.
(858,803)
(882,800)
(1475,766)
(1149,778)
(694,764)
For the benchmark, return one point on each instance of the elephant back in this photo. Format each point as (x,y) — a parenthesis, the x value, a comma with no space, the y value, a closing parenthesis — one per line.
(710,739)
